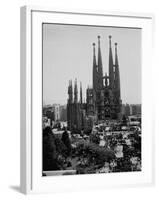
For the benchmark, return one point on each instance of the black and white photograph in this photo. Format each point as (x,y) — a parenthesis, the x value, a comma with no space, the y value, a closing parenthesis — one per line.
(91,99)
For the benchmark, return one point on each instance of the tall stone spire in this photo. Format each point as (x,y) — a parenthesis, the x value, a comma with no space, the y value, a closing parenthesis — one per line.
(100,65)
(117,74)
(75,92)
(116,55)
(95,72)
(70,92)
(117,83)
(111,71)
(81,99)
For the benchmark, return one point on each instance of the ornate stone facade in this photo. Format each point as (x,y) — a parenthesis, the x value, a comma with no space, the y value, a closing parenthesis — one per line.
(103,100)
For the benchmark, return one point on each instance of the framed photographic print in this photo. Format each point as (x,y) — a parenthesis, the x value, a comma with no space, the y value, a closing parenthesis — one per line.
(86,100)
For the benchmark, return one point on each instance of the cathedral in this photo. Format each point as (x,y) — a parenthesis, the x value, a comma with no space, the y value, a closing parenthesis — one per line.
(103,100)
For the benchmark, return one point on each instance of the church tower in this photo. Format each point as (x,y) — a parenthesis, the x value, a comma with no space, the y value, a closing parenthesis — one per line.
(69,105)
(117,75)
(100,66)
(111,66)
(117,97)
(75,92)
(95,70)
(70,92)
(103,99)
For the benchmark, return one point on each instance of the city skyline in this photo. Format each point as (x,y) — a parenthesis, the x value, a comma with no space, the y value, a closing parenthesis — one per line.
(67,54)
(52,104)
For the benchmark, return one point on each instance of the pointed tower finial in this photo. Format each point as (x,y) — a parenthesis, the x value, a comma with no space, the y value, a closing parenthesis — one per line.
(110,37)
(94,53)
(98,41)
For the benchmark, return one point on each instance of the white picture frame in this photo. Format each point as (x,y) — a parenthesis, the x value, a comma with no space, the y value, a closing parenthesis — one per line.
(31,93)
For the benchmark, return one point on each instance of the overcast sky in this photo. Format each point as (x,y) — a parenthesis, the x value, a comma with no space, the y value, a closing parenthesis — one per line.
(68,54)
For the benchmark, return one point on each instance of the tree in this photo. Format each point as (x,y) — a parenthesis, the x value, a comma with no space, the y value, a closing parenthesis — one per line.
(54,150)
(95,138)
(49,150)
(60,147)
(66,140)
(96,156)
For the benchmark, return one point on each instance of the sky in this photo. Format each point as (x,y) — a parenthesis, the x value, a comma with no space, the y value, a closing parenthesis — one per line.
(68,54)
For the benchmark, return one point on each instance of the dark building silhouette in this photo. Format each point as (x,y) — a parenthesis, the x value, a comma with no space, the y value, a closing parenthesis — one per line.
(75,108)
(103,100)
